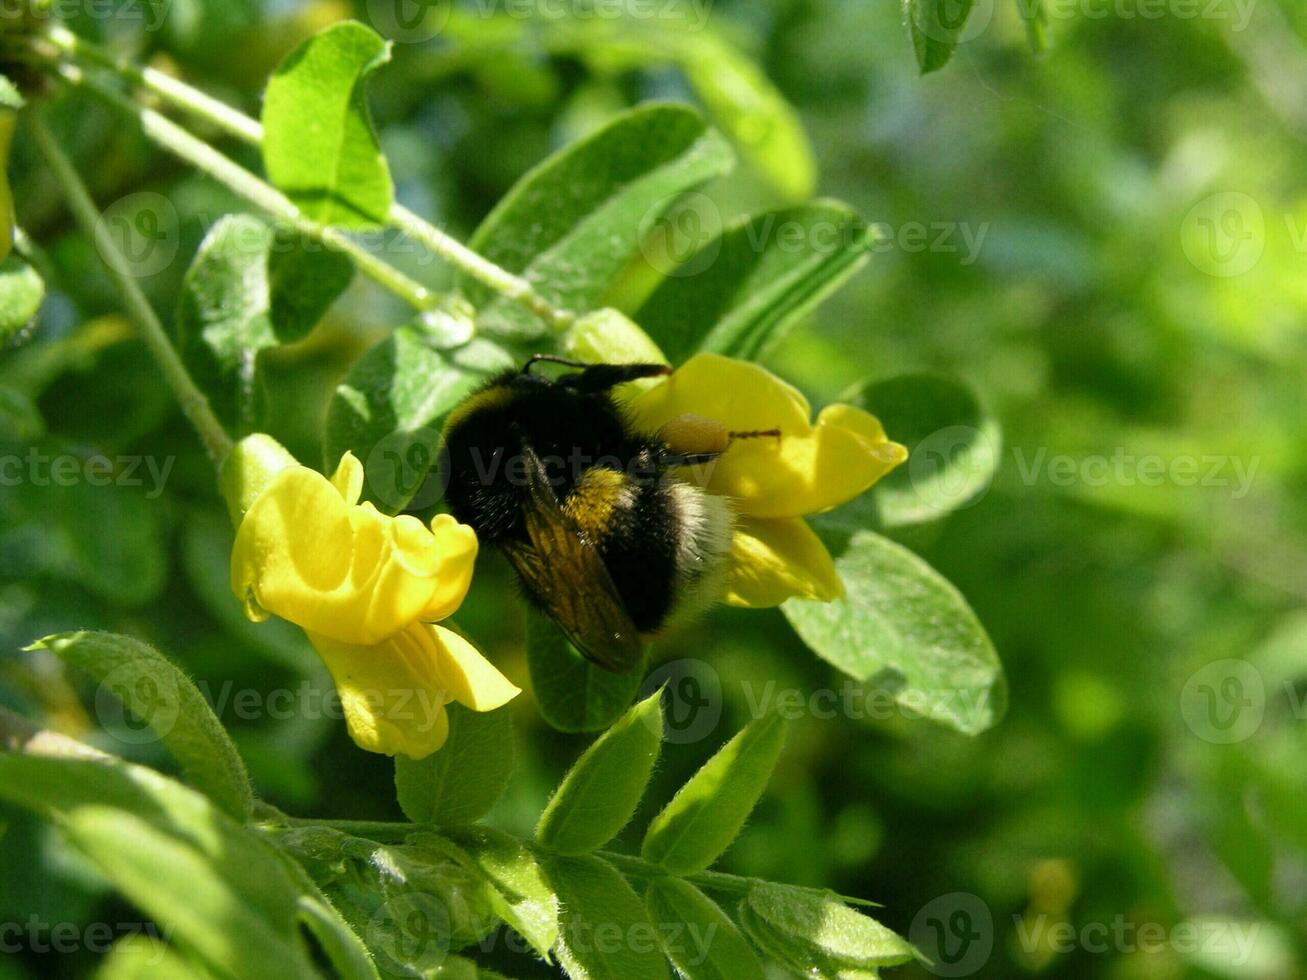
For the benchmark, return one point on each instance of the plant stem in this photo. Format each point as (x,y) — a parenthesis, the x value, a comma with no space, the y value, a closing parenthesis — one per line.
(193,403)
(235,123)
(223,169)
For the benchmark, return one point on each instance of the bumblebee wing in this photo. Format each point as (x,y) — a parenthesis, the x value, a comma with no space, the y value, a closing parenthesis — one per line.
(568,576)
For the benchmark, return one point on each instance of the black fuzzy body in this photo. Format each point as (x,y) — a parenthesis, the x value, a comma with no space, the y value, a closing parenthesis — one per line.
(571,430)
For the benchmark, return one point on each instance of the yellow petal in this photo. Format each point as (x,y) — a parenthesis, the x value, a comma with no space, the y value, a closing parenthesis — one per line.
(342,571)
(775,560)
(456,544)
(348,478)
(392,692)
(805,470)
(469,678)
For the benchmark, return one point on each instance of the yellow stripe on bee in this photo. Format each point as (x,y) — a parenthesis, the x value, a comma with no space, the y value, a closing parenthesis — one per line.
(496,397)
(594,501)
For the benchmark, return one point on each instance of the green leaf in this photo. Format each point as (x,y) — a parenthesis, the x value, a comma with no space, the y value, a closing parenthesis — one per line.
(820,924)
(460,783)
(164,699)
(319,145)
(902,624)
(605,932)
(598,797)
(706,815)
(954,447)
(936,27)
(744,102)
(145,957)
(216,889)
(739,291)
(519,893)
(386,412)
(573,222)
(249,289)
(21,292)
(573,694)
(1034,13)
(709,947)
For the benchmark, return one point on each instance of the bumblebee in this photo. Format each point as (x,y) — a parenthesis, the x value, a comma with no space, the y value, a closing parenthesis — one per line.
(604,537)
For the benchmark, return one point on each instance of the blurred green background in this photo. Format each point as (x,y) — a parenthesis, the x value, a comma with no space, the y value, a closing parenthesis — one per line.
(1108,242)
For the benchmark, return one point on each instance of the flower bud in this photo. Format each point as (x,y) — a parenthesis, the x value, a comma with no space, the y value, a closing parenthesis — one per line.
(247,471)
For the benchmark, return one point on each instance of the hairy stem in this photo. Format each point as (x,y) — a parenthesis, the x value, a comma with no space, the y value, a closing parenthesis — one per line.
(192,400)
(223,169)
(236,124)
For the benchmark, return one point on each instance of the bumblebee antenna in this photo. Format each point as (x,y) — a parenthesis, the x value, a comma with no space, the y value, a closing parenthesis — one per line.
(551,359)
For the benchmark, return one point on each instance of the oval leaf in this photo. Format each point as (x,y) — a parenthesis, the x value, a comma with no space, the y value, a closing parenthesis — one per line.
(573,694)
(706,815)
(902,622)
(739,291)
(164,699)
(599,795)
(827,928)
(605,932)
(696,935)
(460,785)
(319,146)
(249,289)
(574,222)
(386,412)
(954,447)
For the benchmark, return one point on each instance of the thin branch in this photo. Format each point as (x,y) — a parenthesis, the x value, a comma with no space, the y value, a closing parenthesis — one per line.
(193,403)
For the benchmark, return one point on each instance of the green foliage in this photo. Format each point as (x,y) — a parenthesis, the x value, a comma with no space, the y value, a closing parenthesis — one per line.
(518,892)
(599,795)
(21,293)
(572,224)
(740,290)
(387,411)
(460,783)
(250,289)
(573,694)
(817,927)
(904,625)
(165,700)
(725,955)
(319,145)
(953,442)
(186,864)
(706,815)
(605,932)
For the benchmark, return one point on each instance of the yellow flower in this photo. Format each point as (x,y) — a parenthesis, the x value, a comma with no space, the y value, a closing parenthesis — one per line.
(773,480)
(368,590)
